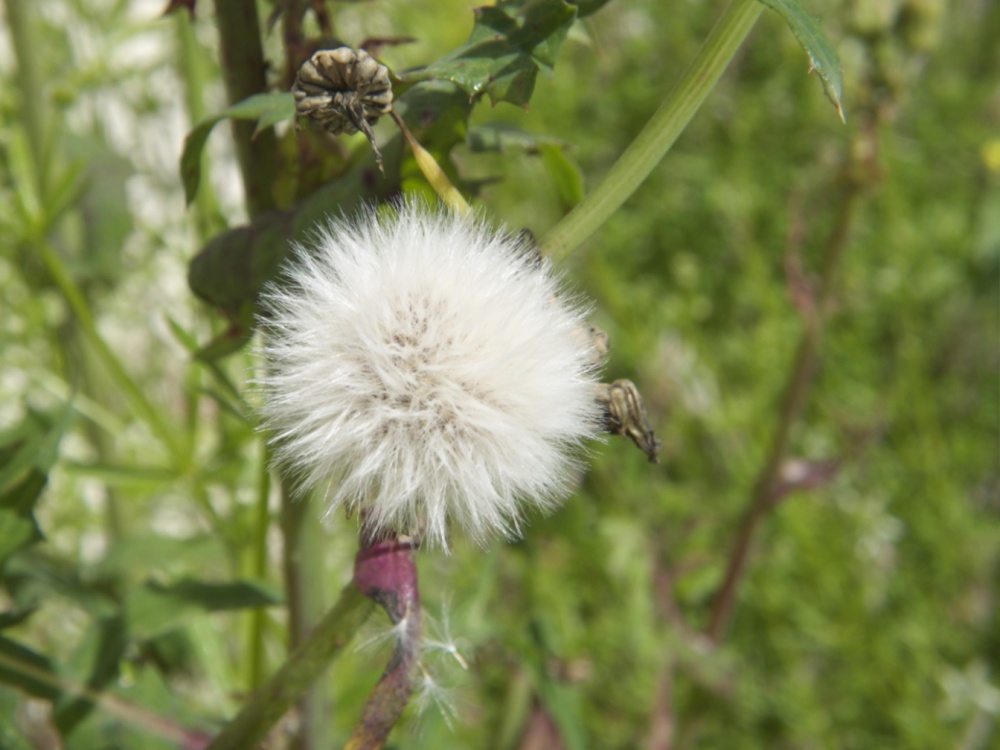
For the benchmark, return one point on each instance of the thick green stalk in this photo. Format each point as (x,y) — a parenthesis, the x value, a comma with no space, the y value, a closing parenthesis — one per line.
(266,706)
(243,71)
(659,134)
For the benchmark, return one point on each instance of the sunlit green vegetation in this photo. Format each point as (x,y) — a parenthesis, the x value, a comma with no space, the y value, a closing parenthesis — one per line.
(143,571)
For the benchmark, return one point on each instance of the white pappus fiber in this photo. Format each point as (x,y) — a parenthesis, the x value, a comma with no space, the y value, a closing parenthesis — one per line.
(424,366)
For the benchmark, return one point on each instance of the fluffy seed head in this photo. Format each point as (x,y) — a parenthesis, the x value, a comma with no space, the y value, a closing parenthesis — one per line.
(424,366)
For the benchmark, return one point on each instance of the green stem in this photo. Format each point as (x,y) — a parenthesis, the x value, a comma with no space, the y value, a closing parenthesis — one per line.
(243,70)
(132,392)
(194,75)
(659,134)
(27,48)
(156,725)
(258,566)
(266,706)
(302,563)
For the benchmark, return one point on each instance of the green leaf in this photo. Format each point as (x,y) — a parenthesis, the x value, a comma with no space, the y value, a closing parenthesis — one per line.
(109,218)
(27,453)
(155,609)
(33,578)
(31,446)
(184,337)
(281,107)
(565,174)
(18,528)
(94,664)
(509,43)
(132,478)
(505,138)
(233,338)
(11,736)
(27,670)
(231,268)
(201,354)
(136,556)
(66,191)
(821,53)
(14,617)
(586,7)
(267,109)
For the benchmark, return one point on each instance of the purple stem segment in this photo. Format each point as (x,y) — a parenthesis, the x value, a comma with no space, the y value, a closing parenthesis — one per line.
(385,572)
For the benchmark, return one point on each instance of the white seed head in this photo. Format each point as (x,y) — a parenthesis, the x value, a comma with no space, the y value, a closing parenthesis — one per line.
(424,366)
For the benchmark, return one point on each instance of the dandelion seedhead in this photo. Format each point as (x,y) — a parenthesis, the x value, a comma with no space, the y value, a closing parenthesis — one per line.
(425,367)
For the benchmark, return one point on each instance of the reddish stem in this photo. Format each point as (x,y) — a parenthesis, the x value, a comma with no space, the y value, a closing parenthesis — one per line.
(385,572)
(797,391)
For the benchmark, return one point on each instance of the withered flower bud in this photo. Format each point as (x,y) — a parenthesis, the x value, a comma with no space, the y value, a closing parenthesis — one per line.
(344,90)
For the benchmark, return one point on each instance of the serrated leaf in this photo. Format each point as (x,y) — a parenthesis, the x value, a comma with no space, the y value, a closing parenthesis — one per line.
(155,609)
(822,55)
(509,43)
(267,109)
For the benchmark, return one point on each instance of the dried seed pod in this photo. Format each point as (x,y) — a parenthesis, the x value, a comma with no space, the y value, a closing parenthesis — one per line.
(625,414)
(343,90)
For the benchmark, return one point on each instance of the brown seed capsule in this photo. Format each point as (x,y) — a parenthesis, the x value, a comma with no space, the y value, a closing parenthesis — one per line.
(625,414)
(343,90)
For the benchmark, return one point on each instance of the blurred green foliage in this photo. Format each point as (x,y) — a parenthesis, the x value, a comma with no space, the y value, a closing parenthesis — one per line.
(868,617)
